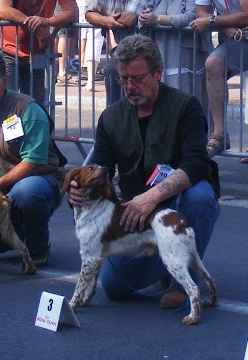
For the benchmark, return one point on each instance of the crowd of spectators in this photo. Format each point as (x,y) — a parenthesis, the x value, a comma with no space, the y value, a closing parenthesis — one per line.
(117,19)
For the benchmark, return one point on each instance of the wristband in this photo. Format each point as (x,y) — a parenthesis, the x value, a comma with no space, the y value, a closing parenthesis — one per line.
(211,20)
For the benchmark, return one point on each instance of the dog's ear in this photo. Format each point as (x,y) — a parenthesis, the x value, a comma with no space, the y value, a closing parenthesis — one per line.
(71,175)
(4,200)
(109,192)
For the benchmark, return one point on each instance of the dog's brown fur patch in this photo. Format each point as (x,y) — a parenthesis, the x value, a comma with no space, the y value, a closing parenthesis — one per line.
(115,231)
(177,222)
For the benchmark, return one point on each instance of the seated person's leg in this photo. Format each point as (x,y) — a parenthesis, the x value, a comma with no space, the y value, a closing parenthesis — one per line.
(121,276)
(33,201)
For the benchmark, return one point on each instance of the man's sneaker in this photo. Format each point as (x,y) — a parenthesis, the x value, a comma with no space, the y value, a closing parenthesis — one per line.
(172,299)
(40,260)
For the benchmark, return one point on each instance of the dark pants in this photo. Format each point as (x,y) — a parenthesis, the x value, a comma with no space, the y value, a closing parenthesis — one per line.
(37,89)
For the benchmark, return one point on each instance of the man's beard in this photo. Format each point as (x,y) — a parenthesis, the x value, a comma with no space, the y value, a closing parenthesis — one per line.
(137,99)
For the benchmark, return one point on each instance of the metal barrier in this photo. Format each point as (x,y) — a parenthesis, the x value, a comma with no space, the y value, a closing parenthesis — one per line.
(75,112)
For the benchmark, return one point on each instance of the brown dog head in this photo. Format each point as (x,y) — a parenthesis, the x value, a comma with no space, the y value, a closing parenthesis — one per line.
(94,182)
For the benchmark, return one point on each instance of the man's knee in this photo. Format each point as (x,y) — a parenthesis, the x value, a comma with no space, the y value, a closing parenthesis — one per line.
(200,196)
(29,199)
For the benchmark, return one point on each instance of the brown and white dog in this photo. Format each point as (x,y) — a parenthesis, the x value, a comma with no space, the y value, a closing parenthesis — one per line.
(9,237)
(100,235)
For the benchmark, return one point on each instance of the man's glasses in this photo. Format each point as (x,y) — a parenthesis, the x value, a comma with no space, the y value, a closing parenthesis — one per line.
(134,80)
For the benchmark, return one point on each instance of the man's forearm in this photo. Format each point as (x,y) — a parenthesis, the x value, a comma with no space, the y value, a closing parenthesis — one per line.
(11,14)
(65,18)
(18,172)
(171,186)
(238,19)
(96,19)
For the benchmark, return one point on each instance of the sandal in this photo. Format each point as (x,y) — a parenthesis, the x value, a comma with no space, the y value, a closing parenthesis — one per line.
(217,144)
(70,81)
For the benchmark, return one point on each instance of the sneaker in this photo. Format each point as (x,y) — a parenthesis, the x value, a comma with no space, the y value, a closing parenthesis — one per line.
(172,299)
(40,260)
(71,81)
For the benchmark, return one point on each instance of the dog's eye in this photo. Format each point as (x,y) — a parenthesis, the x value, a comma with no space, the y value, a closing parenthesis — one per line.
(91,168)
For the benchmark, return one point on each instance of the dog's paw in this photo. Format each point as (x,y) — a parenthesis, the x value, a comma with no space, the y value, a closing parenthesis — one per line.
(29,268)
(190,320)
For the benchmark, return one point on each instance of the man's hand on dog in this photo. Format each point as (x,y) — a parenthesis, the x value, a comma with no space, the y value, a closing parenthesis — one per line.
(137,211)
(75,197)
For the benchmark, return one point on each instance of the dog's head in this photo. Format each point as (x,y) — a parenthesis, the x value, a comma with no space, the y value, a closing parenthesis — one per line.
(94,182)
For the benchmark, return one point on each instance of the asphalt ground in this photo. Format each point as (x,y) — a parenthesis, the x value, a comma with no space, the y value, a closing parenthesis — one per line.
(136,329)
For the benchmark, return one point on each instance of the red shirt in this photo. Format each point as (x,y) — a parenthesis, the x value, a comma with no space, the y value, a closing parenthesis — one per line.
(41,8)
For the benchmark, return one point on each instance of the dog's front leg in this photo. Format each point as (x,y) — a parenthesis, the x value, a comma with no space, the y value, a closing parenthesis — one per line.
(86,283)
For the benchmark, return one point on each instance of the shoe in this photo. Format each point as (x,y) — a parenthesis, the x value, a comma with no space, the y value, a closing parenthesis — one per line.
(217,144)
(70,81)
(99,77)
(245,159)
(84,73)
(40,260)
(172,299)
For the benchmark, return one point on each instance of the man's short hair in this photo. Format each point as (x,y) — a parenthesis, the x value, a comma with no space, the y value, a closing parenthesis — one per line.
(139,46)
(2,66)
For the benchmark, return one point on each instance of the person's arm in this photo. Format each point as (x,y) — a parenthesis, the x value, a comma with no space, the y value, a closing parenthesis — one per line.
(192,168)
(107,21)
(68,14)
(236,19)
(8,12)
(18,172)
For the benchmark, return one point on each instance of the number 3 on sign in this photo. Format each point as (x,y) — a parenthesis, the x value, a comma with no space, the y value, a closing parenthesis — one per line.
(49,311)
(49,308)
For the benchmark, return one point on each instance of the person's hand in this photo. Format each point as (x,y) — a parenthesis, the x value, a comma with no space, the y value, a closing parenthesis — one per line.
(137,211)
(230,32)
(113,21)
(127,19)
(43,36)
(34,22)
(75,197)
(147,17)
(200,24)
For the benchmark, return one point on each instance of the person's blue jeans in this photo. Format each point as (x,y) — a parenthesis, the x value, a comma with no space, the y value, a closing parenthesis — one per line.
(122,275)
(34,199)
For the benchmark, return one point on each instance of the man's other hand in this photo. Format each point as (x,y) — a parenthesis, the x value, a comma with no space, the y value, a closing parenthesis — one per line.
(34,22)
(200,23)
(137,212)
(75,196)
(127,19)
